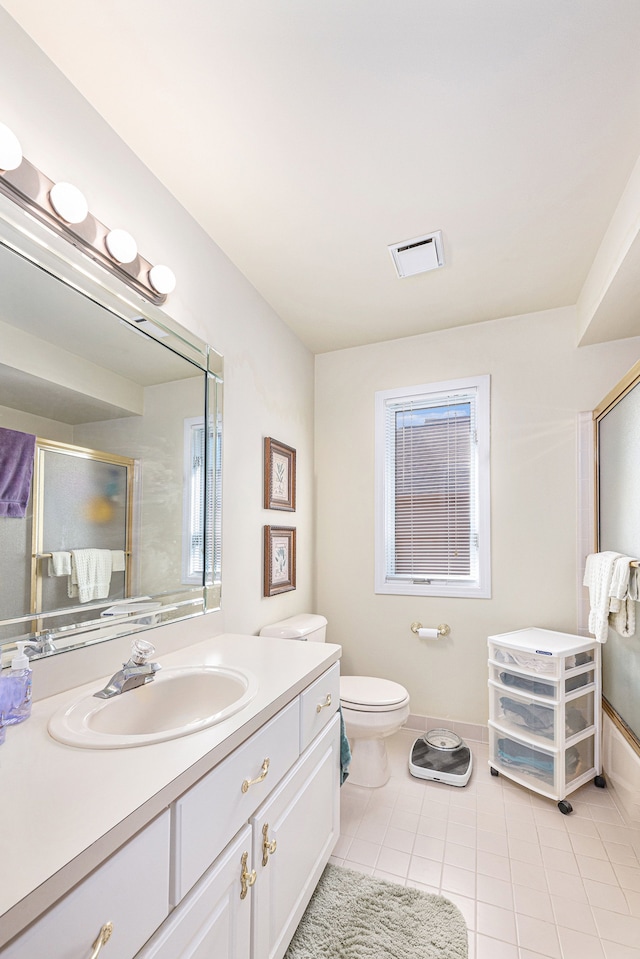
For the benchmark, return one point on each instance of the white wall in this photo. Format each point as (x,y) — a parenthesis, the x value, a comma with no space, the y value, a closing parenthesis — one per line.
(268,373)
(540,381)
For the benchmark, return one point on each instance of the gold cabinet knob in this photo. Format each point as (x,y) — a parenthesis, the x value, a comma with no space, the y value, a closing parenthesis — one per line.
(103,938)
(268,846)
(252,782)
(246,878)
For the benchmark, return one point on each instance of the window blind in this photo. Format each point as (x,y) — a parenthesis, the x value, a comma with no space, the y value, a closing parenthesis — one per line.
(431,484)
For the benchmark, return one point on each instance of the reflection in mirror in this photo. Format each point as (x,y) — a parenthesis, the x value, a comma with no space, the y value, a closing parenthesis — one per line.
(109,476)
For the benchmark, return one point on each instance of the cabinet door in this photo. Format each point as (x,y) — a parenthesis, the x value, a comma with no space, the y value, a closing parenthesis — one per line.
(130,890)
(213,921)
(302,818)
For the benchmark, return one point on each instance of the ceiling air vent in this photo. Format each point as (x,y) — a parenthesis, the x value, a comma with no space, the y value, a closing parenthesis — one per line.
(420,255)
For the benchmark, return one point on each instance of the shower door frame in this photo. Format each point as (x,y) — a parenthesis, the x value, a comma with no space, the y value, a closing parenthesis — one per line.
(44,446)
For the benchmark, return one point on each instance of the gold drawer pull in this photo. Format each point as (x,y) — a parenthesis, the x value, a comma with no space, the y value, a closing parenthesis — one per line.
(263,774)
(268,846)
(246,878)
(324,705)
(103,938)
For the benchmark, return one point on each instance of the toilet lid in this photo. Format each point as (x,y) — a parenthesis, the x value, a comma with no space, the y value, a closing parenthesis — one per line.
(369,693)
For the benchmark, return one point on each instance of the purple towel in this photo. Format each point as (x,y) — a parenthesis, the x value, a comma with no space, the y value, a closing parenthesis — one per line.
(16,468)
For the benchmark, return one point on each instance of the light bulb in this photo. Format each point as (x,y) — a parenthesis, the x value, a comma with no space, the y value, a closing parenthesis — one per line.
(10,149)
(162,279)
(68,202)
(121,245)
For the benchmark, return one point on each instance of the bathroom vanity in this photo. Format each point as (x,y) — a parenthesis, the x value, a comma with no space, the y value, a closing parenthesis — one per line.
(209,842)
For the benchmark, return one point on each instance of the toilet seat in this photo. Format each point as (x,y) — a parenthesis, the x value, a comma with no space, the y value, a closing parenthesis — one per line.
(369,694)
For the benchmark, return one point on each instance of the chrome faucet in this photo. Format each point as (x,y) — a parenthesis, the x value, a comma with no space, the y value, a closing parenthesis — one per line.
(42,644)
(136,672)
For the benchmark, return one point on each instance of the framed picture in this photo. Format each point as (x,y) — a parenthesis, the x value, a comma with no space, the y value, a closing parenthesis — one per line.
(279,475)
(279,559)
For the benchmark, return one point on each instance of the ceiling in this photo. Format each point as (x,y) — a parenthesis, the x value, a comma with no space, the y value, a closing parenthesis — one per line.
(307,137)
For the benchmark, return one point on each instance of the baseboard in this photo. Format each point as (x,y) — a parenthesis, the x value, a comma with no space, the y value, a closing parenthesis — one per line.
(471,732)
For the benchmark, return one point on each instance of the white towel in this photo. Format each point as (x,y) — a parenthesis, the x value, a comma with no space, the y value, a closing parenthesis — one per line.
(60,563)
(622,608)
(598,574)
(118,560)
(90,574)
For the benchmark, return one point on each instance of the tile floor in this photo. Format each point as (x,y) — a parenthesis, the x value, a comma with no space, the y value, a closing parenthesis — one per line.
(529,881)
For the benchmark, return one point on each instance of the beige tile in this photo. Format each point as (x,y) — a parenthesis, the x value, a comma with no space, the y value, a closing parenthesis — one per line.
(559,859)
(525,851)
(533,902)
(400,839)
(622,929)
(492,865)
(429,848)
(562,884)
(436,828)
(619,853)
(606,896)
(492,842)
(528,874)
(555,838)
(487,948)
(578,945)
(463,856)
(393,861)
(614,950)
(462,835)
(426,871)
(467,907)
(597,869)
(628,877)
(496,891)
(574,915)
(454,879)
(363,852)
(538,936)
(401,819)
(389,877)
(591,846)
(633,899)
(496,922)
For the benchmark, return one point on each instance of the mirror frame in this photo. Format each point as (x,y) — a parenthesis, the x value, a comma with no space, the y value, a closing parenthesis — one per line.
(46,250)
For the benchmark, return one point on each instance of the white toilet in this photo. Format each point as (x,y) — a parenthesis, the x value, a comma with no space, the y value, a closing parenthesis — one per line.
(372,708)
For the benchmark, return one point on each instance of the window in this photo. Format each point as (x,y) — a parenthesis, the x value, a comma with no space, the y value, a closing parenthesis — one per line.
(201,478)
(432,490)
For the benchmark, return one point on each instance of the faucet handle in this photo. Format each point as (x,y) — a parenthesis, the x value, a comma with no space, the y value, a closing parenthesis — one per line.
(141,651)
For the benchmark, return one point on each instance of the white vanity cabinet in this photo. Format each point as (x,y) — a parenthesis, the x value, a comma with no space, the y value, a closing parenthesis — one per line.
(129,890)
(251,839)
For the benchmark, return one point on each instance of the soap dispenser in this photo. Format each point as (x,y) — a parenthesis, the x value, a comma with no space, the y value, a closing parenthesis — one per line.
(18,686)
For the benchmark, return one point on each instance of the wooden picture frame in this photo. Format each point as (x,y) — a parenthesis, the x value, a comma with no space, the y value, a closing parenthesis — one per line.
(279,475)
(279,559)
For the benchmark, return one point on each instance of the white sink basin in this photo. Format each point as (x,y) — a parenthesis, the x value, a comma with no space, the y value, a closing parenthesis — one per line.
(178,702)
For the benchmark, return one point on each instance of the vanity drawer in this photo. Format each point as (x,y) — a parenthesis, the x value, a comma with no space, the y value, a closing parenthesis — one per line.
(318,703)
(130,890)
(211,813)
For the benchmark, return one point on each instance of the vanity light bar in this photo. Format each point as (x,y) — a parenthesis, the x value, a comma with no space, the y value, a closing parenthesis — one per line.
(63,208)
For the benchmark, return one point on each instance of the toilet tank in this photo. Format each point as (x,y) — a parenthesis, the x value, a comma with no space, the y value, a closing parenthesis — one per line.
(306,626)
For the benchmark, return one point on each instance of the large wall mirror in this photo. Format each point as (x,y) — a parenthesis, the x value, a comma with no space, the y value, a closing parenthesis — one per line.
(618,469)
(110,452)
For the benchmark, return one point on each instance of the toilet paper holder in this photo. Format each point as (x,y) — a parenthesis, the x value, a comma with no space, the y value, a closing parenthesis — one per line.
(442,630)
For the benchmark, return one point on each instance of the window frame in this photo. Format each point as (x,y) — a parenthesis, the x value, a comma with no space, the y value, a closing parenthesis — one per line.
(477,389)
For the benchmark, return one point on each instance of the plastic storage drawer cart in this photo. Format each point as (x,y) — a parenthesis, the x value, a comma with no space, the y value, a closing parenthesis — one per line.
(544,711)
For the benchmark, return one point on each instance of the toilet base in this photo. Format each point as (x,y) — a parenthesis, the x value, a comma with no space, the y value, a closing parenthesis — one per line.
(369,765)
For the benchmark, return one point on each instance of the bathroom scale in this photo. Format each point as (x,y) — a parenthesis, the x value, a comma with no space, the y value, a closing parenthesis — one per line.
(442,756)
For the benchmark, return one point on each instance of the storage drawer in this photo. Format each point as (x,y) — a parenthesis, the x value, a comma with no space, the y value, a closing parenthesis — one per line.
(579,759)
(520,683)
(318,703)
(130,890)
(538,718)
(213,810)
(522,760)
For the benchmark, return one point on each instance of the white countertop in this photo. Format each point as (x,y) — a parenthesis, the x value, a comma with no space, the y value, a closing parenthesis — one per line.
(63,809)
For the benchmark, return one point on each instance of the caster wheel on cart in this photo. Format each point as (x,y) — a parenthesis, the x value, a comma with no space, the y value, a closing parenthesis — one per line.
(565,807)
(600,782)
(494,772)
